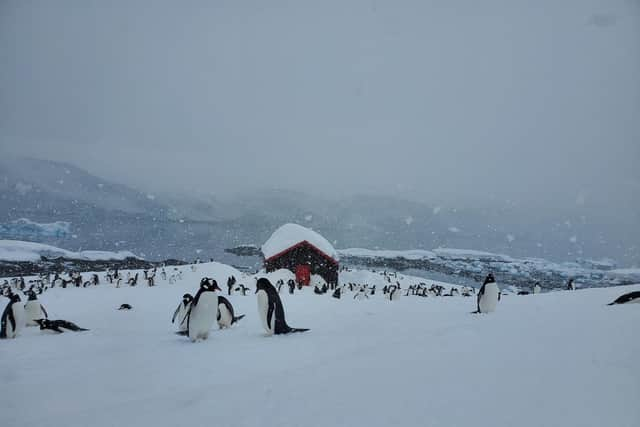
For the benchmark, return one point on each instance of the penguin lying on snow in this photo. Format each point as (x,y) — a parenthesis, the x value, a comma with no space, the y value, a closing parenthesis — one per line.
(270,309)
(630,298)
(226,317)
(125,307)
(58,326)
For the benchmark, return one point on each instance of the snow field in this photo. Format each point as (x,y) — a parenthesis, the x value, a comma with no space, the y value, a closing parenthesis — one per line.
(554,359)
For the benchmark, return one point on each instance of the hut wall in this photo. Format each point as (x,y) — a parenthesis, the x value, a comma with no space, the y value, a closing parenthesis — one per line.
(307,255)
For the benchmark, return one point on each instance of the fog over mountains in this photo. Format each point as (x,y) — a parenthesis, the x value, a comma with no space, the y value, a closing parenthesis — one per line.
(64,205)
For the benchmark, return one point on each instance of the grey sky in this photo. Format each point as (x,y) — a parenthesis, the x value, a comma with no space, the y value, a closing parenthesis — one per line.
(457,100)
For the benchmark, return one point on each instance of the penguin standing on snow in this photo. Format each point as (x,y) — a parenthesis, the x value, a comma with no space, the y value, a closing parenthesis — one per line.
(225,313)
(630,298)
(34,310)
(536,288)
(12,319)
(203,311)
(394,293)
(488,295)
(270,309)
(337,293)
(180,315)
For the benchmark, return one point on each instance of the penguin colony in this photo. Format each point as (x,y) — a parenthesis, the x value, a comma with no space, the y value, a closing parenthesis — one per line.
(196,314)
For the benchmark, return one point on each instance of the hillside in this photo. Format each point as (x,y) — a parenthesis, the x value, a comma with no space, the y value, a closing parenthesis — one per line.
(63,205)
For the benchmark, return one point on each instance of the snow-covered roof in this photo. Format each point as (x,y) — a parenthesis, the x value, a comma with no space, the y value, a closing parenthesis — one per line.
(18,250)
(292,234)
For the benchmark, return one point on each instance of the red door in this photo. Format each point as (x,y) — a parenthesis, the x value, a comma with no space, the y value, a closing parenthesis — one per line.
(303,274)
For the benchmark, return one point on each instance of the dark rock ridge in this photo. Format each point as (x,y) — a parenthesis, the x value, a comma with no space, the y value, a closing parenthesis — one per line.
(45,265)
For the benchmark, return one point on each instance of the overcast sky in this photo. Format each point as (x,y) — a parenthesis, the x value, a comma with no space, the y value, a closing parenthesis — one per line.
(527,100)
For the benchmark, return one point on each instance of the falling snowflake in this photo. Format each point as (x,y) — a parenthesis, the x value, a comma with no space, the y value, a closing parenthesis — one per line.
(573,239)
(437,210)
(408,220)
(511,237)
(308,218)
(454,229)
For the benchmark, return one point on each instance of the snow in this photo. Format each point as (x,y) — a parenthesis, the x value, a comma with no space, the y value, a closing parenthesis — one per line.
(415,254)
(470,254)
(18,250)
(290,235)
(557,359)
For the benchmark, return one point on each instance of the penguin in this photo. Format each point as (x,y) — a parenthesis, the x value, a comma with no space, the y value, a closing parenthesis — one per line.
(270,309)
(225,313)
(33,310)
(242,288)
(630,298)
(570,285)
(203,311)
(336,293)
(125,307)
(13,318)
(394,293)
(361,294)
(488,295)
(58,326)
(536,288)
(180,315)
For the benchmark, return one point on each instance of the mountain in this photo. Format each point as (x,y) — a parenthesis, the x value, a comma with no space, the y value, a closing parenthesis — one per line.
(63,205)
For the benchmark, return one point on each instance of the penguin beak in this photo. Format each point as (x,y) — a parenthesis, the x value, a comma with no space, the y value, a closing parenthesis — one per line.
(217,288)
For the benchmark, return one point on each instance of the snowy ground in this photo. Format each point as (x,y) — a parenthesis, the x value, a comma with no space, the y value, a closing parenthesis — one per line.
(554,359)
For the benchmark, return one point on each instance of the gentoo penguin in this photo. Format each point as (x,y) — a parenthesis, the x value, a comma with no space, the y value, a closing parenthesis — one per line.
(336,293)
(394,293)
(536,288)
(58,326)
(361,294)
(225,313)
(34,310)
(203,311)
(180,315)
(125,307)
(13,317)
(488,295)
(630,298)
(570,285)
(270,309)
(242,288)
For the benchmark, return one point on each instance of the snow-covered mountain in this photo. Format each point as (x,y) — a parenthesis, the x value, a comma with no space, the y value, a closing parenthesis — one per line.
(95,213)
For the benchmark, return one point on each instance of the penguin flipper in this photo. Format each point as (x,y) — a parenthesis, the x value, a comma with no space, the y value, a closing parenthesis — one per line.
(183,333)
(175,313)
(46,315)
(235,319)
(11,318)
(291,330)
(270,312)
